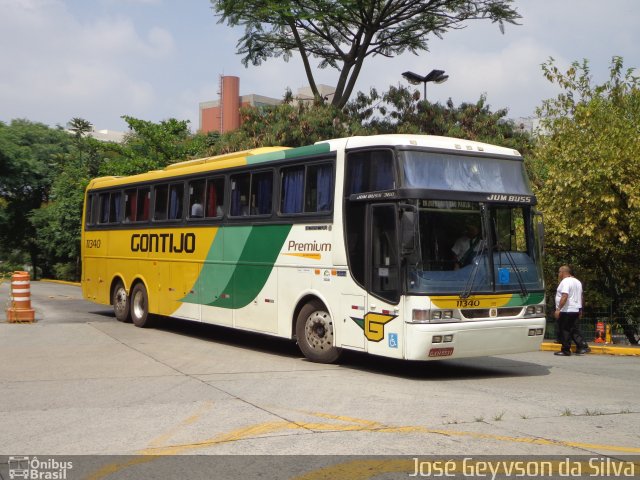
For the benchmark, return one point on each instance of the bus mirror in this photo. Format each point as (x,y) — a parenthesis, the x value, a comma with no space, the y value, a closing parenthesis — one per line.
(408,229)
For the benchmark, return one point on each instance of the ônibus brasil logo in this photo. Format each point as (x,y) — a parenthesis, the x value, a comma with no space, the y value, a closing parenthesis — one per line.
(36,469)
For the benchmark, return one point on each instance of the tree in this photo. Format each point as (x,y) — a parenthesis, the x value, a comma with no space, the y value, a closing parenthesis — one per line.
(151,146)
(400,110)
(588,167)
(79,126)
(29,157)
(291,124)
(58,222)
(343,33)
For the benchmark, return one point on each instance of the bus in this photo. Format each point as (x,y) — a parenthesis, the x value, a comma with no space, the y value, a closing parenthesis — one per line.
(348,244)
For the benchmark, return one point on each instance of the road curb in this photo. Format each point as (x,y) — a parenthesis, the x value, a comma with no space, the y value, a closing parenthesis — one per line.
(62,282)
(596,349)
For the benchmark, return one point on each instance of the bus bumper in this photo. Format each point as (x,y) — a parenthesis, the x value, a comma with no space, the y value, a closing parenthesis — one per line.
(437,341)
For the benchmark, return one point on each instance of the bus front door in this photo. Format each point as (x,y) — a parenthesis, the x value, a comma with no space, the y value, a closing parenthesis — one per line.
(383,325)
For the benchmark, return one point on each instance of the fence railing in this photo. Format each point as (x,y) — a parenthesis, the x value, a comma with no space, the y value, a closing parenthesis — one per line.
(615,326)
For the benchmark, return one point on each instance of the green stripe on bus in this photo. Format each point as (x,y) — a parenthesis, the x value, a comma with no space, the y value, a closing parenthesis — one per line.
(520,301)
(219,265)
(254,265)
(289,153)
(265,157)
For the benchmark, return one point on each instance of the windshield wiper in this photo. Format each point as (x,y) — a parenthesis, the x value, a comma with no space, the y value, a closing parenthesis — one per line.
(512,263)
(468,287)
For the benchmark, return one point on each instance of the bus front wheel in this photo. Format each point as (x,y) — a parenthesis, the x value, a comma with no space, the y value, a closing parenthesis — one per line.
(314,332)
(140,306)
(120,302)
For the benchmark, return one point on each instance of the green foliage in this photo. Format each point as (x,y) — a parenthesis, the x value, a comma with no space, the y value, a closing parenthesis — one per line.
(289,124)
(58,221)
(588,173)
(151,146)
(79,126)
(400,110)
(343,33)
(45,172)
(67,271)
(30,155)
(12,261)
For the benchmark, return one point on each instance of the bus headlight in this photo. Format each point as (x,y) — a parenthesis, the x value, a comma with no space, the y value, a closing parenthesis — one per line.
(443,316)
(535,310)
(433,316)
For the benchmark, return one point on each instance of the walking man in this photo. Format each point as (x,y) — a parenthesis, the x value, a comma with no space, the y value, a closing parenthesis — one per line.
(568,311)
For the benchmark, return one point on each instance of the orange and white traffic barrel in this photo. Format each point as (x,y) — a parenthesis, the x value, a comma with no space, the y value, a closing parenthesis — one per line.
(20,309)
(600,333)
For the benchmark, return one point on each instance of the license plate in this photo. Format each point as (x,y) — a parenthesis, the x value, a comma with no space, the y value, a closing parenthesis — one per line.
(441,352)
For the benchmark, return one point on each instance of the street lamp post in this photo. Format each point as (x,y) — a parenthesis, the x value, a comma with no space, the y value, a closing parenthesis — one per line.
(436,76)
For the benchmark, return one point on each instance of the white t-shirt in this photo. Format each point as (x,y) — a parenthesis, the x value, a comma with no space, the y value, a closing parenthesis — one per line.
(573,288)
(463,244)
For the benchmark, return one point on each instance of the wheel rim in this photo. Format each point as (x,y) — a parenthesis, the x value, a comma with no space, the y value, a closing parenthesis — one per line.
(139,306)
(318,331)
(120,301)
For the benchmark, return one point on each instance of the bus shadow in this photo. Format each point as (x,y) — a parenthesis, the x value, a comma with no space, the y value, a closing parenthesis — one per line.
(441,370)
(229,336)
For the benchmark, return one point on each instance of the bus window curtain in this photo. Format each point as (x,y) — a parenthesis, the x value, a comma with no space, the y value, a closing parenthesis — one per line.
(117,207)
(104,208)
(235,200)
(325,188)
(293,187)
(145,205)
(383,172)
(356,174)
(264,194)
(174,206)
(211,199)
(132,201)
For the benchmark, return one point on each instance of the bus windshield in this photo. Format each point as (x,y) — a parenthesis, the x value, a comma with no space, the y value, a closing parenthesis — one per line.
(471,247)
(450,172)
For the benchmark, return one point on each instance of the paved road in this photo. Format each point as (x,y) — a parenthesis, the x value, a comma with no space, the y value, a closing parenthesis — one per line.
(79,382)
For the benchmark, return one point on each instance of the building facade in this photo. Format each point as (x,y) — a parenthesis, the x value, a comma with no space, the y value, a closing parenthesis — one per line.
(223,115)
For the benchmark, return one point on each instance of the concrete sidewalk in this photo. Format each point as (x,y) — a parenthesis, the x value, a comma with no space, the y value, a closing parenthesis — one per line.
(596,348)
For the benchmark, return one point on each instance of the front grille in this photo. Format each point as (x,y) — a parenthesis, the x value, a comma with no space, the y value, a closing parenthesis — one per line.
(473,313)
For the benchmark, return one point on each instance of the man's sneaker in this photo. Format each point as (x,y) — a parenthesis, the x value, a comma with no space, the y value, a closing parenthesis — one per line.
(583,350)
(563,354)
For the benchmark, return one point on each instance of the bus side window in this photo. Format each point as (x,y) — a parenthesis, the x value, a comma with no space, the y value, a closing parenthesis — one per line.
(115,207)
(215,197)
(261,193)
(196,199)
(161,193)
(319,188)
(103,214)
(240,194)
(142,207)
(370,171)
(130,203)
(292,190)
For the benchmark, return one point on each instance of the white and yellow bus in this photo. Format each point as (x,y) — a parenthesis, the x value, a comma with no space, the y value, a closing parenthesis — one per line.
(354,243)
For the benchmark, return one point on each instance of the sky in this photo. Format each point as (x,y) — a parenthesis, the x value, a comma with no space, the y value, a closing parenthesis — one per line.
(158,59)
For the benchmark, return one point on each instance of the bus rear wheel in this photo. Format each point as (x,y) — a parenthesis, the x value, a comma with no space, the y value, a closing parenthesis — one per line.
(140,306)
(314,331)
(120,302)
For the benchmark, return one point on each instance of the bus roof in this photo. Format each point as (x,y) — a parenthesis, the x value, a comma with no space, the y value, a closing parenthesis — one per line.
(425,141)
(267,154)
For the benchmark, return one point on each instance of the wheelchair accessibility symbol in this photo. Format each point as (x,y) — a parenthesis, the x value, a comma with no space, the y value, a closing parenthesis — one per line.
(393,340)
